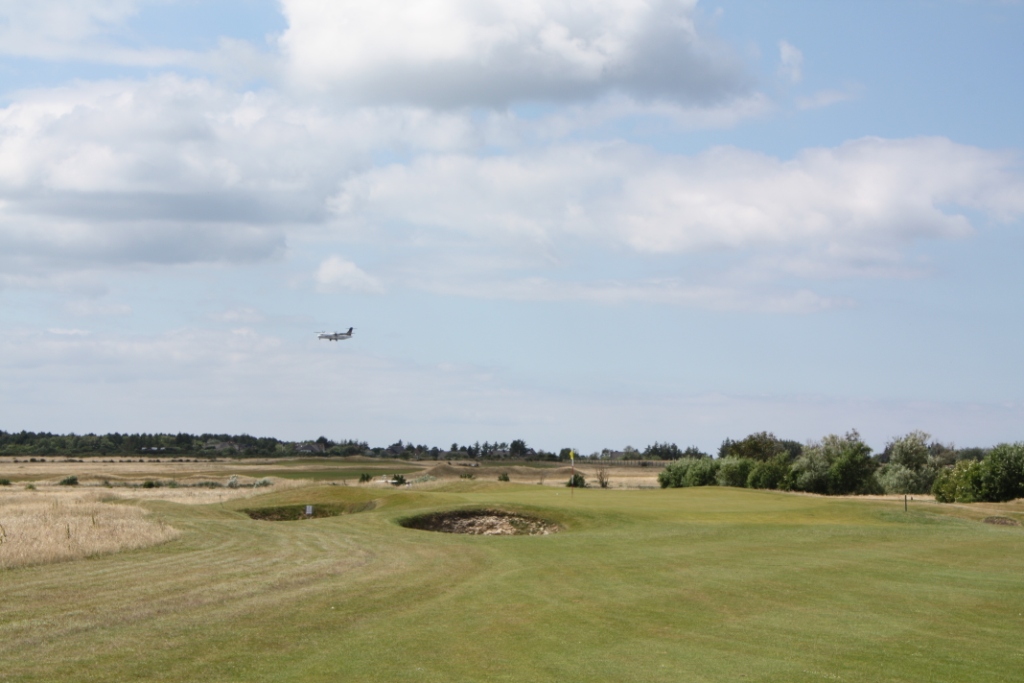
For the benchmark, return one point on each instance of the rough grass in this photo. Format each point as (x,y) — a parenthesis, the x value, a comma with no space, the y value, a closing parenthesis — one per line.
(40,529)
(664,585)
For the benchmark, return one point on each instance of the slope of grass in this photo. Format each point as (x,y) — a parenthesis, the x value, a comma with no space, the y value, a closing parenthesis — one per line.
(668,585)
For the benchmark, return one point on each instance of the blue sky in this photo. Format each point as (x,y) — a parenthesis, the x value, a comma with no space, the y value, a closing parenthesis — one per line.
(590,225)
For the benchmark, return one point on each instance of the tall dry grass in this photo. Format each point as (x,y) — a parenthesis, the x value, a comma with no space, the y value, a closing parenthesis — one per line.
(37,528)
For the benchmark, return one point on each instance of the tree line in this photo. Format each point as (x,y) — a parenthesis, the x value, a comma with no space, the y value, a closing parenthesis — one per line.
(835,465)
(845,465)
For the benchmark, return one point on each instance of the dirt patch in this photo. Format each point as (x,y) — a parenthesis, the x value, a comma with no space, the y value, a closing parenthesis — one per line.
(482,523)
(1002,521)
(292,513)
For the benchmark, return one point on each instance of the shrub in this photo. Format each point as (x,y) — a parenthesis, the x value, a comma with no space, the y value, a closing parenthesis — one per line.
(770,474)
(971,454)
(760,446)
(69,481)
(150,484)
(899,479)
(689,472)
(836,465)
(364,477)
(232,481)
(961,483)
(398,479)
(5,482)
(1003,474)
(467,475)
(602,478)
(910,451)
(259,483)
(674,475)
(503,476)
(734,471)
(30,487)
(577,481)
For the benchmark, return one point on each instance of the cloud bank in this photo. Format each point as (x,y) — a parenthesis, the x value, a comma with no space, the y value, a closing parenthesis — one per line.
(494,52)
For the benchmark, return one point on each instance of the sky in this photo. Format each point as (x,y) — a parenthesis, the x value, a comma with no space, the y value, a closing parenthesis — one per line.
(582,224)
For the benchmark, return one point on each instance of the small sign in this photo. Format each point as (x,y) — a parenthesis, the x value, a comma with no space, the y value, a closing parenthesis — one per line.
(309,510)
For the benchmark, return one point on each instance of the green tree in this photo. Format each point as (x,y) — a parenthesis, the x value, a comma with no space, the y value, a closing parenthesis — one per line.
(1003,475)
(759,446)
(734,471)
(662,451)
(770,474)
(836,465)
(910,450)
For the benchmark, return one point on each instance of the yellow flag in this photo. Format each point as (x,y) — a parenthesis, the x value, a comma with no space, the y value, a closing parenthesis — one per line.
(572,456)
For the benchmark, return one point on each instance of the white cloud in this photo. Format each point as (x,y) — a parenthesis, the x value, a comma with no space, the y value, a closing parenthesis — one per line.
(48,27)
(839,205)
(172,170)
(83,30)
(336,273)
(456,52)
(791,62)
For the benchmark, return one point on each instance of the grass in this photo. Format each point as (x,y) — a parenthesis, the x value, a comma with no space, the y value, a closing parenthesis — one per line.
(41,529)
(664,585)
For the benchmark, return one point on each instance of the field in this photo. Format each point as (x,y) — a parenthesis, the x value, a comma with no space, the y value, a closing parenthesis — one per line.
(709,584)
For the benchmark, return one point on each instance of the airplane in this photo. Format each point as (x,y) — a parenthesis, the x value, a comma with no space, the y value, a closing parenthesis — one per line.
(336,336)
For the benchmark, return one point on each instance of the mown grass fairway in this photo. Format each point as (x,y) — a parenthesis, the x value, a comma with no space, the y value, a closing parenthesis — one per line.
(675,585)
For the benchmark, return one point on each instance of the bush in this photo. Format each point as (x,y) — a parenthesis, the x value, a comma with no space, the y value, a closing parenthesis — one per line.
(602,478)
(364,478)
(900,479)
(961,483)
(770,474)
(836,465)
(760,446)
(689,472)
(259,483)
(69,481)
(1003,477)
(577,481)
(734,471)
(398,479)
(910,451)
(5,482)
(503,476)
(232,481)
(467,475)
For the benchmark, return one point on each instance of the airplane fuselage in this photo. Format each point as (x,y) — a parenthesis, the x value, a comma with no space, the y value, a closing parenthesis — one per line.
(336,336)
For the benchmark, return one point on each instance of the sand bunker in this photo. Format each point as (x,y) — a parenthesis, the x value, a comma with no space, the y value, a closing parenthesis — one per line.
(291,513)
(482,523)
(1003,521)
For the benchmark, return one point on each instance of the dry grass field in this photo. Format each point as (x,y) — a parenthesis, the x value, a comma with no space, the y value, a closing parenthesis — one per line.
(39,528)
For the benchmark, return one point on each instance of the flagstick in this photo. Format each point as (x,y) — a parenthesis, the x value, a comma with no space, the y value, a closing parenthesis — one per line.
(572,479)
